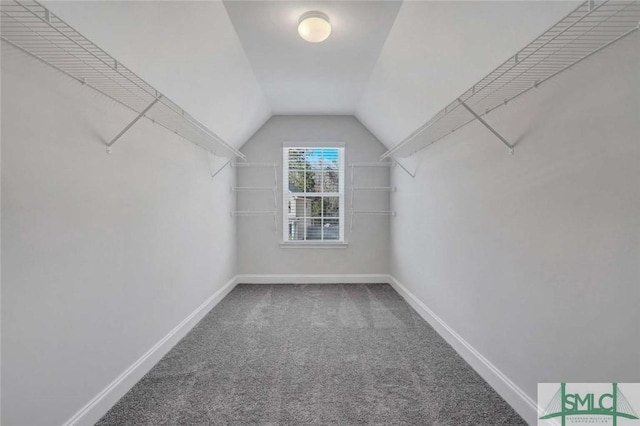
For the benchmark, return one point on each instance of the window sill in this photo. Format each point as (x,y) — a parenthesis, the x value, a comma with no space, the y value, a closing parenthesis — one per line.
(314,245)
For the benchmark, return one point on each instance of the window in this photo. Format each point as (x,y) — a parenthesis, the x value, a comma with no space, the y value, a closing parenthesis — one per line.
(313,194)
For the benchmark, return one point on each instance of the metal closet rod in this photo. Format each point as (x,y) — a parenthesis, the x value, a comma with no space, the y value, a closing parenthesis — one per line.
(36,31)
(588,29)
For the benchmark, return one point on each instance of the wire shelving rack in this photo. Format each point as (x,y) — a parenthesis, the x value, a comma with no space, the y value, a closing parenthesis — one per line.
(35,30)
(589,28)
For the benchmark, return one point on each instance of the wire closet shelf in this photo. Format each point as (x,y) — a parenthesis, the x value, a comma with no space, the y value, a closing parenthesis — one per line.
(589,28)
(35,30)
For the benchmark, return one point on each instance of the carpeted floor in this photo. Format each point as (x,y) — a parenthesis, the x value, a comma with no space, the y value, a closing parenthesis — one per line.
(323,354)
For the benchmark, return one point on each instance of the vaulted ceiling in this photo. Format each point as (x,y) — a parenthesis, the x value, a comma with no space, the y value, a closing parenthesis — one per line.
(233,64)
(306,78)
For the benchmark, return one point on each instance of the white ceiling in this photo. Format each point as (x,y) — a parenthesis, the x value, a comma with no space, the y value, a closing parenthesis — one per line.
(233,64)
(305,78)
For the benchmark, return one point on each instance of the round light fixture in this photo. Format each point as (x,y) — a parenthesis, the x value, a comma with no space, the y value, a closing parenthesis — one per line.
(314,27)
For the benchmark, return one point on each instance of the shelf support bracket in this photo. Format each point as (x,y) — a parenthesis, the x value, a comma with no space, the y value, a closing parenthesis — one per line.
(213,175)
(135,120)
(413,175)
(485,124)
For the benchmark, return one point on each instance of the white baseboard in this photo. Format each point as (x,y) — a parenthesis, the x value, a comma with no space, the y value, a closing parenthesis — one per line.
(509,391)
(101,403)
(313,278)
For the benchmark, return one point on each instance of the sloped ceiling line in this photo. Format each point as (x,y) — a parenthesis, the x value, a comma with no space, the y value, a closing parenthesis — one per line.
(233,64)
(583,32)
(188,50)
(436,50)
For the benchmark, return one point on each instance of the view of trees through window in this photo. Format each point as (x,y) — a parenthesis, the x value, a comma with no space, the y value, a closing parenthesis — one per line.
(315,193)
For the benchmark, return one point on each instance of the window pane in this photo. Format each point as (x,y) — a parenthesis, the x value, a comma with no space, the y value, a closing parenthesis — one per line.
(297,159)
(330,180)
(305,181)
(314,229)
(331,229)
(314,159)
(296,181)
(331,157)
(299,207)
(330,173)
(296,229)
(314,171)
(298,211)
(313,179)
(315,206)
(331,207)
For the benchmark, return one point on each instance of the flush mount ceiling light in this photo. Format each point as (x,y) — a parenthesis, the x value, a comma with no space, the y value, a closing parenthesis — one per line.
(314,27)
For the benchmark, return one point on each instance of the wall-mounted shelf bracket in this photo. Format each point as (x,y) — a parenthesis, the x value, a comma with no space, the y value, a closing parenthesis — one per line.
(246,189)
(488,126)
(354,188)
(405,169)
(214,174)
(130,125)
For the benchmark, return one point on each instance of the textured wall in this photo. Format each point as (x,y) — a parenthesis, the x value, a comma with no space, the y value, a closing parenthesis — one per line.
(102,254)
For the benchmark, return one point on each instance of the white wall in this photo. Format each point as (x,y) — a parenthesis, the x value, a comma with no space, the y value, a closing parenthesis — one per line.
(534,259)
(259,250)
(188,50)
(102,254)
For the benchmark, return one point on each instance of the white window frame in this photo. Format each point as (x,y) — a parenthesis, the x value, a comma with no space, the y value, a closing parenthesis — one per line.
(286,194)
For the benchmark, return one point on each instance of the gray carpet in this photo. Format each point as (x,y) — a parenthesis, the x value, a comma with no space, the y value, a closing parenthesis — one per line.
(338,354)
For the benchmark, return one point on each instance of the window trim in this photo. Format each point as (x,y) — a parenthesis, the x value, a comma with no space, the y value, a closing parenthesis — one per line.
(341,194)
